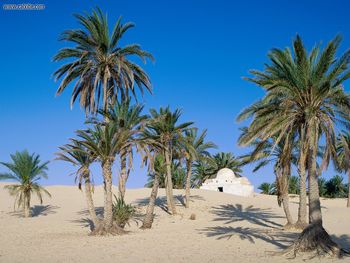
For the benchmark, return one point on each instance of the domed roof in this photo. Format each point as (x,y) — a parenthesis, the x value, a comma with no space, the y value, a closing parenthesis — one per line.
(225,174)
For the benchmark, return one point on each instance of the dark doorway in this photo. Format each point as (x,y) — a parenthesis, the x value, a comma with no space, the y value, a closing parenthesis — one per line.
(220,189)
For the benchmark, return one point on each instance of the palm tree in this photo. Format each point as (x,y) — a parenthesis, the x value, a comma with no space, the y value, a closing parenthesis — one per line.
(305,98)
(266,188)
(158,171)
(225,160)
(98,66)
(201,172)
(104,142)
(322,186)
(27,170)
(335,188)
(282,156)
(78,156)
(129,118)
(343,156)
(165,135)
(195,148)
(178,176)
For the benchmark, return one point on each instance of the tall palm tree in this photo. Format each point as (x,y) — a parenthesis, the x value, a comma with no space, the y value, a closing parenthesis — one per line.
(27,170)
(165,134)
(129,118)
(304,96)
(195,148)
(282,156)
(104,142)
(78,156)
(100,68)
(343,156)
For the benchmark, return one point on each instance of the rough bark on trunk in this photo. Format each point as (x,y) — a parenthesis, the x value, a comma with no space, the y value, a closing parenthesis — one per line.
(148,220)
(123,175)
(188,182)
(314,238)
(301,222)
(90,202)
(108,214)
(315,215)
(282,181)
(285,204)
(26,205)
(169,184)
(348,204)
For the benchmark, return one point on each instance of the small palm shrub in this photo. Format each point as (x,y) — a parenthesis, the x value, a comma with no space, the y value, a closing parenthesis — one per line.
(122,212)
(266,188)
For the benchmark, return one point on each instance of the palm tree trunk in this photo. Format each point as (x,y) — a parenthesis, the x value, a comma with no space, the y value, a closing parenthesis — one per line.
(348,204)
(108,214)
(26,205)
(285,204)
(148,220)
(188,182)
(123,174)
(169,183)
(282,189)
(314,237)
(90,202)
(315,215)
(301,222)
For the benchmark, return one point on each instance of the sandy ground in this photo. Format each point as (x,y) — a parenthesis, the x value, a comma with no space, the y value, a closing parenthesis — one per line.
(227,229)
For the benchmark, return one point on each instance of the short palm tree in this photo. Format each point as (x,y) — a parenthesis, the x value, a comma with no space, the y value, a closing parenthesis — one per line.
(100,68)
(195,148)
(165,135)
(27,170)
(304,96)
(225,160)
(201,172)
(343,156)
(293,185)
(128,117)
(104,142)
(335,187)
(78,156)
(266,188)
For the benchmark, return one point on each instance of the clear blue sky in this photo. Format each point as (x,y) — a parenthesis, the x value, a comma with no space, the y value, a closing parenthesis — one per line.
(202,50)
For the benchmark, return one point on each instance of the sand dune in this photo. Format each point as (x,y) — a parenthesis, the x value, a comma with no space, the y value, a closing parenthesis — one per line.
(227,229)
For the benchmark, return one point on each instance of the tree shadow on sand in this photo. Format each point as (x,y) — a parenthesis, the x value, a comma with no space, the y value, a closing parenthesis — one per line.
(38,210)
(278,238)
(266,228)
(235,213)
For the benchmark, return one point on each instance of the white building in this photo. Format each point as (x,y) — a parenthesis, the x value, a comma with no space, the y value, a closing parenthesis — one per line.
(227,182)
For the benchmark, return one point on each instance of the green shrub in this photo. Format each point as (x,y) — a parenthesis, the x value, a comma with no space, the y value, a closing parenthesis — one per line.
(122,212)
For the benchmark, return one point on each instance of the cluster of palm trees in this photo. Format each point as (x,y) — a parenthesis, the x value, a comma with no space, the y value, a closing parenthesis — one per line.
(202,169)
(332,188)
(299,121)
(104,78)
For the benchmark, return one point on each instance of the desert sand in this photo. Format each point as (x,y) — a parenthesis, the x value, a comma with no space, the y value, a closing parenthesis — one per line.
(227,228)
